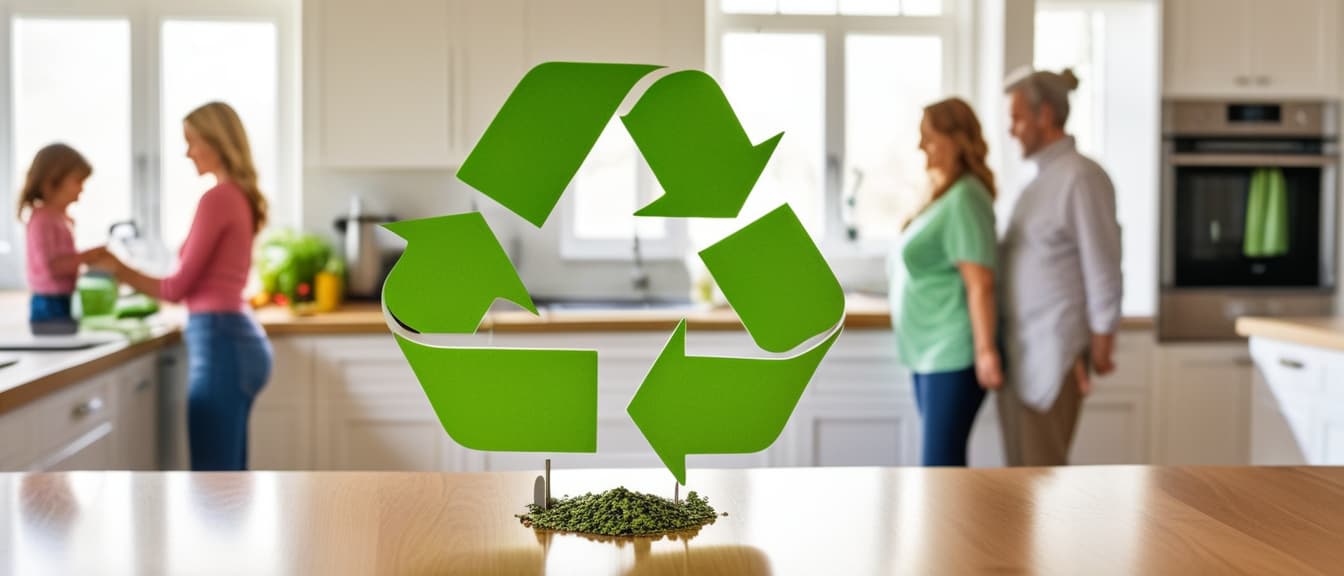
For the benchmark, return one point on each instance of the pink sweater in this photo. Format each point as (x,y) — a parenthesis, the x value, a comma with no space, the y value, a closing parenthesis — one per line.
(48,237)
(216,257)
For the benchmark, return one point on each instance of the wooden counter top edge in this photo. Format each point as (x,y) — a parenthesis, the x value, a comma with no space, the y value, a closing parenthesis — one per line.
(371,322)
(1302,331)
(39,388)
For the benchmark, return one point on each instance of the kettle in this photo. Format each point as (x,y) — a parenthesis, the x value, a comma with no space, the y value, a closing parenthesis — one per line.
(366,261)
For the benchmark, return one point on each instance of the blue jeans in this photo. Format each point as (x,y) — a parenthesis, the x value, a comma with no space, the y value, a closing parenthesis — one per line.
(229,361)
(49,307)
(948,403)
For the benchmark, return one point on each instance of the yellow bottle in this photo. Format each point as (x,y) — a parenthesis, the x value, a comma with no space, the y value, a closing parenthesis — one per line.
(327,291)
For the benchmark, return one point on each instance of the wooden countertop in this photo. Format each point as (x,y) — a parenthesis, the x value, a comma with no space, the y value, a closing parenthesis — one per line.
(40,373)
(37,374)
(862,312)
(367,317)
(1320,332)
(1082,520)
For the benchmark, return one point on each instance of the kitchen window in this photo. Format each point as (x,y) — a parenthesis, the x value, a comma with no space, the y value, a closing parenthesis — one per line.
(115,78)
(845,80)
(1113,48)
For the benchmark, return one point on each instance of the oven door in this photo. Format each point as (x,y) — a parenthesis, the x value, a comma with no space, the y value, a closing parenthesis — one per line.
(1246,220)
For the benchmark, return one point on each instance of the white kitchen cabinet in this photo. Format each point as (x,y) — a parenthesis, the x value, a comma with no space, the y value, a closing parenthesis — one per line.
(859,409)
(665,32)
(1202,405)
(73,429)
(414,83)
(280,435)
(1279,48)
(1272,440)
(370,411)
(386,82)
(624,360)
(493,58)
(137,421)
(1298,410)
(15,441)
(95,450)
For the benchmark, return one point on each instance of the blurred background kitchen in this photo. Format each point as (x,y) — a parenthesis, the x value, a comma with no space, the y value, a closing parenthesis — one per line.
(359,113)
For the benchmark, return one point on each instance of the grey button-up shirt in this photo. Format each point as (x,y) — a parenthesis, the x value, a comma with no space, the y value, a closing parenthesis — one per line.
(1061,271)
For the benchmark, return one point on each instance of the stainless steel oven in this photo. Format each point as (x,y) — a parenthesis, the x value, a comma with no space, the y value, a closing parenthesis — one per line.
(1249,195)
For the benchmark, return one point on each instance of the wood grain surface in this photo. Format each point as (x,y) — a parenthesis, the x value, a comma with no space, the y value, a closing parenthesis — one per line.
(820,521)
(1320,332)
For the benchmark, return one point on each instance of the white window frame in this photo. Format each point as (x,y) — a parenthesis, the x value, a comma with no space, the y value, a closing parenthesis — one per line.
(671,246)
(952,27)
(146,18)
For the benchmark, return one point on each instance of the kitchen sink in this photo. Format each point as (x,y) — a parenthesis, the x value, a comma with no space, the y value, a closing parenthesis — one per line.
(612,305)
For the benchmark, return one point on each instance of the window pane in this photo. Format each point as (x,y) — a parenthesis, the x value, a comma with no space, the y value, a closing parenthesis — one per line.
(606,191)
(776,82)
(750,6)
(807,6)
(1112,47)
(888,82)
(77,92)
(870,7)
(922,7)
(233,62)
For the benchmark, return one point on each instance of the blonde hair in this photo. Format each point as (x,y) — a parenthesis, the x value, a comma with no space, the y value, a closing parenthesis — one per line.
(955,119)
(1040,87)
(50,166)
(219,125)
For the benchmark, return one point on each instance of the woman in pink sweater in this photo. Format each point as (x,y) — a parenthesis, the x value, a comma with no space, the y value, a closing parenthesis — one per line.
(230,358)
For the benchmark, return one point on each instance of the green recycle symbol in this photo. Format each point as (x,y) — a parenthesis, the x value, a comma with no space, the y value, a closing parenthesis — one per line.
(531,400)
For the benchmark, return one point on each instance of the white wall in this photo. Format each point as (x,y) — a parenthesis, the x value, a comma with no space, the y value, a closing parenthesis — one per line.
(425,193)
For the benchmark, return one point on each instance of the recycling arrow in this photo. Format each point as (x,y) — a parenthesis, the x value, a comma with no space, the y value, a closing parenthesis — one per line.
(777,281)
(511,400)
(713,405)
(540,137)
(707,166)
(771,271)
(452,270)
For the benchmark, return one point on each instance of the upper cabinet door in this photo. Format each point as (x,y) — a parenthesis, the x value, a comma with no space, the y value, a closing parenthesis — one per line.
(1295,50)
(491,57)
(666,32)
(386,83)
(1275,48)
(1207,46)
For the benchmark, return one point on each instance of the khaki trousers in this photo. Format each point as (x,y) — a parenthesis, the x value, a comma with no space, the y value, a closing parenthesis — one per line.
(1032,438)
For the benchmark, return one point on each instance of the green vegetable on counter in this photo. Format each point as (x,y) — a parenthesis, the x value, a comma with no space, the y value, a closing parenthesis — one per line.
(136,306)
(286,260)
(621,512)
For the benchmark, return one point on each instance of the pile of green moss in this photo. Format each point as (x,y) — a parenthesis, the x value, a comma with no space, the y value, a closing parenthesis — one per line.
(621,512)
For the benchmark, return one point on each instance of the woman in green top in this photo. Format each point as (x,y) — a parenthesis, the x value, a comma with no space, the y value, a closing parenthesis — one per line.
(942,284)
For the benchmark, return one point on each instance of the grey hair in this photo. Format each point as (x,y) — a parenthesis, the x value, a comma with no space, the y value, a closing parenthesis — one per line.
(1044,87)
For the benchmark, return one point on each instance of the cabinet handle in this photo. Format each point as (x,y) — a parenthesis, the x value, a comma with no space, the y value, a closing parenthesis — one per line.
(1262,80)
(1291,364)
(142,386)
(90,406)
(1243,81)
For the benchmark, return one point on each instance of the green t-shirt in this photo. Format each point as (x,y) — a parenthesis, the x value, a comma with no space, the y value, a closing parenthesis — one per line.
(928,296)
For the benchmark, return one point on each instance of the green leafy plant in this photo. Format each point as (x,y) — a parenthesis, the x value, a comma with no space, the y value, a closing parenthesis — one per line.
(287,261)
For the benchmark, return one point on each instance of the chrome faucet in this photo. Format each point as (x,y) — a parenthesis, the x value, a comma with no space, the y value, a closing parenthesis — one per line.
(639,277)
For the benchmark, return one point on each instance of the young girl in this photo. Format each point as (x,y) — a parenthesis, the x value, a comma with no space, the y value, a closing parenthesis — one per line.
(55,180)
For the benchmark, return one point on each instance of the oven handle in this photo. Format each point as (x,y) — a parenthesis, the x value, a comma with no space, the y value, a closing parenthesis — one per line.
(1253,160)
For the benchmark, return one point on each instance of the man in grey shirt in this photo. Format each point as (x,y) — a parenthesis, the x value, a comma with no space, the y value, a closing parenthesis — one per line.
(1061,277)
